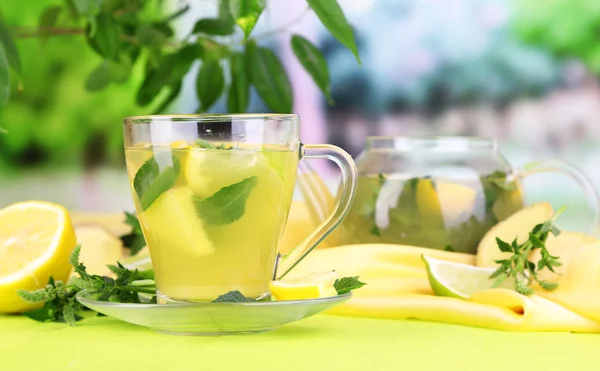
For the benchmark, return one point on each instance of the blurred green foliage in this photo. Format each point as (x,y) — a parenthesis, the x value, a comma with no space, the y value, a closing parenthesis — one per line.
(105,45)
(567,28)
(52,120)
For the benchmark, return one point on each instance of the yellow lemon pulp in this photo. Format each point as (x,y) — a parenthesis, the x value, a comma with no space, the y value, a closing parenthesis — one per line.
(312,286)
(36,240)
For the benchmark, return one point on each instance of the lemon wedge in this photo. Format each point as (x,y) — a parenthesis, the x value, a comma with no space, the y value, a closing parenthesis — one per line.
(312,286)
(459,280)
(36,240)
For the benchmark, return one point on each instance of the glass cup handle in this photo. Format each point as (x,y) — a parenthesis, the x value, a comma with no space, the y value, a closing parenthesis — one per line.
(584,182)
(287,262)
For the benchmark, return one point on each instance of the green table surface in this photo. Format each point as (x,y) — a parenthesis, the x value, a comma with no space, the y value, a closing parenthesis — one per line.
(322,342)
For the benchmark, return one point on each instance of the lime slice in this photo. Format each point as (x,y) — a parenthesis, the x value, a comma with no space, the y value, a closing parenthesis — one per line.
(459,280)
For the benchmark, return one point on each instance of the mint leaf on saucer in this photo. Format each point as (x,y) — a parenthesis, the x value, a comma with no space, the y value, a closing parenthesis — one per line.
(227,205)
(149,183)
(233,297)
(346,284)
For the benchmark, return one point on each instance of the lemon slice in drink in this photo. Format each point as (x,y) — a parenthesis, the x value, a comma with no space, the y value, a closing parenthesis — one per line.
(36,240)
(459,280)
(312,286)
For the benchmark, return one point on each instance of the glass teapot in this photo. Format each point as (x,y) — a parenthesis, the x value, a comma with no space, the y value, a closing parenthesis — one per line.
(440,192)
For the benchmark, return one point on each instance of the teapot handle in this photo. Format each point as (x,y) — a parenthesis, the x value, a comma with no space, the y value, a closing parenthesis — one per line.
(572,171)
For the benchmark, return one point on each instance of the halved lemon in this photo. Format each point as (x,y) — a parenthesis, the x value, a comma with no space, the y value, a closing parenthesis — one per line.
(36,240)
(312,286)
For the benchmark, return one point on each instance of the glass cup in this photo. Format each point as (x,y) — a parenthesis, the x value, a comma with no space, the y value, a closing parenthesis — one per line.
(213,193)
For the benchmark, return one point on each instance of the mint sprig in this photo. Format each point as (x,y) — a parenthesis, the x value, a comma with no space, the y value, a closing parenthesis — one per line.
(522,270)
(59,300)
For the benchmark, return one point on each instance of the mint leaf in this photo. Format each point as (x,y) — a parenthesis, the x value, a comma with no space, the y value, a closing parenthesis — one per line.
(375,231)
(202,143)
(134,241)
(503,246)
(449,248)
(332,17)
(500,180)
(346,284)
(233,297)
(149,184)
(246,13)
(227,205)
(44,314)
(314,63)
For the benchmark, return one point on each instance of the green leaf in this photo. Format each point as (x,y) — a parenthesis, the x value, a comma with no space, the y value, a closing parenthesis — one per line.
(134,241)
(227,205)
(541,264)
(87,8)
(548,286)
(225,12)
(106,72)
(375,231)
(449,248)
(154,35)
(270,79)
(503,246)
(332,16)
(105,40)
(171,70)
(219,27)
(50,16)
(500,180)
(246,13)
(346,284)
(313,62)
(149,184)
(535,241)
(499,280)
(212,49)
(239,95)
(43,314)
(72,9)
(121,70)
(4,78)
(99,78)
(233,297)
(209,83)
(10,49)
(498,272)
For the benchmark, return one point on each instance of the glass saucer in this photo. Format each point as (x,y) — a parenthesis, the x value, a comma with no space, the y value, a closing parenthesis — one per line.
(212,318)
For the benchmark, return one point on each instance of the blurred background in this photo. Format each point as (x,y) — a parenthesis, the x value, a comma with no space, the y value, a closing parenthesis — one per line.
(523,72)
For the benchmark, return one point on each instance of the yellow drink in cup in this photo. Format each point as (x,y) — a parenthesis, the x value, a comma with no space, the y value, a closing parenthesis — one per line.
(213,211)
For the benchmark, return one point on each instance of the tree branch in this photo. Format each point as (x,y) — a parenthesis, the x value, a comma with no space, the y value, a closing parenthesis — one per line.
(27,33)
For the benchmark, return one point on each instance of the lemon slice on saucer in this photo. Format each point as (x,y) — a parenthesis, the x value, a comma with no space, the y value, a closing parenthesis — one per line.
(459,280)
(312,286)
(36,240)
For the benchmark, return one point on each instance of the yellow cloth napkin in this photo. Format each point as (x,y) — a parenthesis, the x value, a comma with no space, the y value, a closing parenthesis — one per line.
(398,288)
